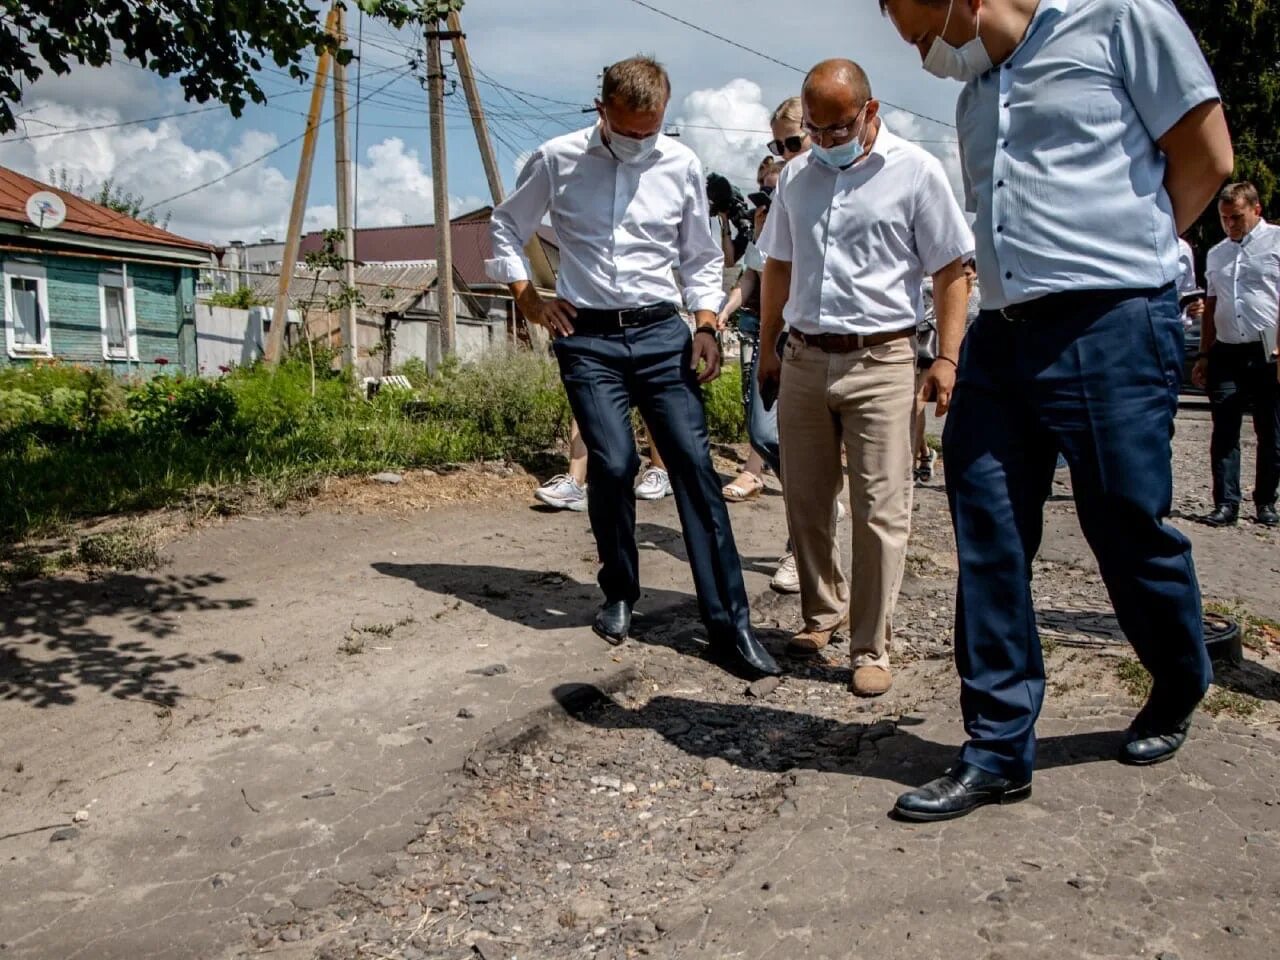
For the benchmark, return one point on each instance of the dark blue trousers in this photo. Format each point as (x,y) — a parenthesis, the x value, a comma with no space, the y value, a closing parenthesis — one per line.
(1239,376)
(605,375)
(1099,383)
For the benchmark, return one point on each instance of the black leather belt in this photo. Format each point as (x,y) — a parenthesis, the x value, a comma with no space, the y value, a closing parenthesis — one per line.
(589,320)
(1069,301)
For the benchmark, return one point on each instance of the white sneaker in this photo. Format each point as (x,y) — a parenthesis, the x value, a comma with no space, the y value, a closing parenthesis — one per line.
(787,579)
(654,484)
(925,466)
(564,493)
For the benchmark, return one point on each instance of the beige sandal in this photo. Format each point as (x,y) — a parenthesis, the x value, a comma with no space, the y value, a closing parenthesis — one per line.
(746,487)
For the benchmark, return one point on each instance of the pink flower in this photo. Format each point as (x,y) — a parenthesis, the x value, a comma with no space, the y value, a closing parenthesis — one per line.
(161,361)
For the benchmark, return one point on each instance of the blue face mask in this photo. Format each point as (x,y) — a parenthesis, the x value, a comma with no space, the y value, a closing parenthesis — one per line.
(840,156)
(837,158)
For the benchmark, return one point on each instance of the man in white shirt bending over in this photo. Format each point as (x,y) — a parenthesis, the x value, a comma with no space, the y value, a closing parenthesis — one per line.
(630,207)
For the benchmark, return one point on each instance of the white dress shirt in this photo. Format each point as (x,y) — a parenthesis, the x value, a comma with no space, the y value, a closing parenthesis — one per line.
(623,227)
(1059,154)
(1244,278)
(861,240)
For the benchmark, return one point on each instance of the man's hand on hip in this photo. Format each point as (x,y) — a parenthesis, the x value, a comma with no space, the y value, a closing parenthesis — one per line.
(556,315)
(939,384)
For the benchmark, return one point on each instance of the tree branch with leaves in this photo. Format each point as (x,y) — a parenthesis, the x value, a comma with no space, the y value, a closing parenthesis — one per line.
(215,48)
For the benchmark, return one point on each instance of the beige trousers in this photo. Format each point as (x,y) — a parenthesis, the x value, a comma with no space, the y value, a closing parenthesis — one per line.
(863,401)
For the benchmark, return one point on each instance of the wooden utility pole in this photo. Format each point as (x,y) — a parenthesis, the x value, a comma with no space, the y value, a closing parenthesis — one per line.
(543,275)
(346,216)
(440,184)
(475,107)
(280,316)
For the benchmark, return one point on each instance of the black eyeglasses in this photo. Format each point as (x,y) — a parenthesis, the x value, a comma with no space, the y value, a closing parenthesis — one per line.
(790,145)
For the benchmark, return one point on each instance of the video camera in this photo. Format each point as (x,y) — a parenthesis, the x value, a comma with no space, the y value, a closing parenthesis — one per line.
(724,197)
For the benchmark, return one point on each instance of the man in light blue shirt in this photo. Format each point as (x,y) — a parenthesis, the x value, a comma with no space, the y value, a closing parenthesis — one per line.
(1091,135)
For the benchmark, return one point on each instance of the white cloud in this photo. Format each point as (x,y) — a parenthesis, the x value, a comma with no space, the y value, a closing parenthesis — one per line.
(159,162)
(727,127)
(941,142)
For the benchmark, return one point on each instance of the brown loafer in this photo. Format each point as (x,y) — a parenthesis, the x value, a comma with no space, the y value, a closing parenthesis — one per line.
(871,681)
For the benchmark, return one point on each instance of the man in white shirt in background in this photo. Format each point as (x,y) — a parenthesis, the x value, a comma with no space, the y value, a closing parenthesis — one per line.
(630,207)
(1238,352)
(857,223)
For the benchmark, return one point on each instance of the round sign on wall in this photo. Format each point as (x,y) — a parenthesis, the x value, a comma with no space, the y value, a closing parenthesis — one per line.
(46,210)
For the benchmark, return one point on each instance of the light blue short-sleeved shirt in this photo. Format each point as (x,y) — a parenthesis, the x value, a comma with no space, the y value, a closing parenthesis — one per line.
(1058,149)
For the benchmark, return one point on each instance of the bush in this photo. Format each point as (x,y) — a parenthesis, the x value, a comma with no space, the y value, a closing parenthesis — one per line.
(76,442)
(726,420)
(185,405)
(241,299)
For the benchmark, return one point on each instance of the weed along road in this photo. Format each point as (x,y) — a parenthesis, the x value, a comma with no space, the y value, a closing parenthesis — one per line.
(373,723)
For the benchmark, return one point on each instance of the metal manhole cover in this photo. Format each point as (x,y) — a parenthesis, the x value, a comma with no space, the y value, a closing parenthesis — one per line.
(1081,628)
(1101,631)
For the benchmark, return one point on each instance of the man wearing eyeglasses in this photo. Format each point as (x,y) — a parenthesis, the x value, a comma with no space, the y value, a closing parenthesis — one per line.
(857,223)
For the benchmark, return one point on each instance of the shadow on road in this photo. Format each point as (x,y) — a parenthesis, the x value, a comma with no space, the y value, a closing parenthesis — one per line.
(118,636)
(546,600)
(772,740)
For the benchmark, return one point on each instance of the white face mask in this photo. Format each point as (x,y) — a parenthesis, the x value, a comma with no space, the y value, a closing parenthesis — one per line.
(629,149)
(962,63)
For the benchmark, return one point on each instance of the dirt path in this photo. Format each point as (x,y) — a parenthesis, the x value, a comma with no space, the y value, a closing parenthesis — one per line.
(328,734)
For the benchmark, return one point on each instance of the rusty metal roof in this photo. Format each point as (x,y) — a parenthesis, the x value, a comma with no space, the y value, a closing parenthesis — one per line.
(84,217)
(383,288)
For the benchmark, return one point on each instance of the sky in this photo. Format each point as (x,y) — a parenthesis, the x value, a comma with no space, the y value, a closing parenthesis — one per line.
(538,63)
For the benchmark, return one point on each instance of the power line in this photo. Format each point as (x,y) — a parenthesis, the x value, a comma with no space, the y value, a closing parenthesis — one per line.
(706,126)
(111,126)
(245,166)
(764,56)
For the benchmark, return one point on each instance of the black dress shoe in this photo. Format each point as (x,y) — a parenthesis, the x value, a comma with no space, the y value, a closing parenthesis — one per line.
(1267,515)
(613,622)
(1224,515)
(744,655)
(1152,737)
(964,788)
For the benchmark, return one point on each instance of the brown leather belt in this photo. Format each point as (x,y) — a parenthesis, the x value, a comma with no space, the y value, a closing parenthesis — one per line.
(849,342)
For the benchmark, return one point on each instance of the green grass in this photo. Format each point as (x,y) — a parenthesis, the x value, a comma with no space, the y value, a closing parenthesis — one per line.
(1134,678)
(77,443)
(1137,683)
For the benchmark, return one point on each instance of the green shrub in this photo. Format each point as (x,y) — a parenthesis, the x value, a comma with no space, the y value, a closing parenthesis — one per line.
(241,299)
(726,420)
(185,405)
(76,442)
